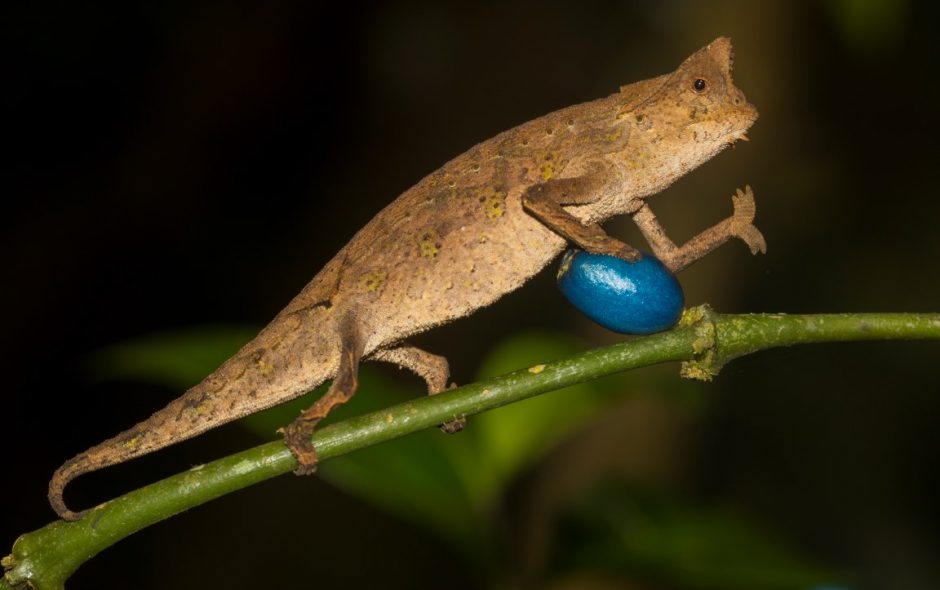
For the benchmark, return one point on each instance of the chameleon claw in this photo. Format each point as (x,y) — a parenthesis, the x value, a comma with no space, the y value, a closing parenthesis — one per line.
(629,253)
(457,424)
(453,426)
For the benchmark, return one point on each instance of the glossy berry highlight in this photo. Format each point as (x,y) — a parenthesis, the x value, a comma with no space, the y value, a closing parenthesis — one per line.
(639,297)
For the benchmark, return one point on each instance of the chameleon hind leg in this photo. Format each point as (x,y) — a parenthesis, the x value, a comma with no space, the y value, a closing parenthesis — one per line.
(297,434)
(739,225)
(433,368)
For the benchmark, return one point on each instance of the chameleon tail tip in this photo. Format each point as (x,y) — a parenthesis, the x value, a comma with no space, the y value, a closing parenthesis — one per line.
(61,478)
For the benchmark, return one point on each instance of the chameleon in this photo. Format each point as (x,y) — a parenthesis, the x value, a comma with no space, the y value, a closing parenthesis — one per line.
(465,235)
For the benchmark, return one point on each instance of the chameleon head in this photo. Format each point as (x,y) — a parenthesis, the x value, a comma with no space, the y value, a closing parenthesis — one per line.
(698,110)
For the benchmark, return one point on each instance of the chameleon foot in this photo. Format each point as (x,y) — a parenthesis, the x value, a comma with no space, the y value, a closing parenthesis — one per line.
(453,426)
(297,438)
(742,225)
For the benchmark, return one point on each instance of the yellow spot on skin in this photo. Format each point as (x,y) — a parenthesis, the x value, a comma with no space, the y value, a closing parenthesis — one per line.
(132,443)
(266,367)
(536,369)
(389,418)
(372,280)
(552,163)
(615,135)
(198,409)
(493,201)
(641,156)
(548,170)
(429,244)
(494,206)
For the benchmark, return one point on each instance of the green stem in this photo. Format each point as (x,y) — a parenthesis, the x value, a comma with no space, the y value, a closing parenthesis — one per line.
(46,557)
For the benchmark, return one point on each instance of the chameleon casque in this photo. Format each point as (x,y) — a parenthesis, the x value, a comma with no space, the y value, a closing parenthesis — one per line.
(464,236)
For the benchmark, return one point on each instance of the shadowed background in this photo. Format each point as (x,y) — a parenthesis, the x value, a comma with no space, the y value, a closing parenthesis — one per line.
(190,166)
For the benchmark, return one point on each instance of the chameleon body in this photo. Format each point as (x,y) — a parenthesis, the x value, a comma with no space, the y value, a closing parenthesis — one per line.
(464,236)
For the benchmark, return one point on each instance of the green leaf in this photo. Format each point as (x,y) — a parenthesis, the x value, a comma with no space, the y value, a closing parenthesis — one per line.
(512,438)
(871,25)
(652,536)
(412,477)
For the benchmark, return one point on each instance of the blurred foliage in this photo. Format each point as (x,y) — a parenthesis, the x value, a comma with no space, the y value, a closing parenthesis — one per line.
(454,486)
(870,24)
(617,528)
(175,359)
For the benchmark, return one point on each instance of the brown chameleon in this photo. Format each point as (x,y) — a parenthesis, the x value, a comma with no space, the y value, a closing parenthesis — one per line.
(464,236)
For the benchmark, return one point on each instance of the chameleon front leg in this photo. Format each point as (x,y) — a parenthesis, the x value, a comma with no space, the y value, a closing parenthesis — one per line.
(545,202)
(297,434)
(739,225)
(433,368)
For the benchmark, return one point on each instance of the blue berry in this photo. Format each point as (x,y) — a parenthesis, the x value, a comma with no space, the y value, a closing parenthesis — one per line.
(639,297)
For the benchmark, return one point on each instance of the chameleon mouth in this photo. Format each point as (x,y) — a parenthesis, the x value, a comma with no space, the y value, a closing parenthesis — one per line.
(736,136)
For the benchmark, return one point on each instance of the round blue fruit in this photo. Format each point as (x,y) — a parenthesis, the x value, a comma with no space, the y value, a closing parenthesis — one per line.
(639,297)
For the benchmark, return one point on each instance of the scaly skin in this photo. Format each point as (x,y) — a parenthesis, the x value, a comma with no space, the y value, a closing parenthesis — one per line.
(460,239)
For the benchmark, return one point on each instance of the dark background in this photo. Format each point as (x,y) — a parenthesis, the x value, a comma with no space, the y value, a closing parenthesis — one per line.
(179,164)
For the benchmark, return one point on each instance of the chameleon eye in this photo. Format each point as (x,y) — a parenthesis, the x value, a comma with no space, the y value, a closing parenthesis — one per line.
(699,85)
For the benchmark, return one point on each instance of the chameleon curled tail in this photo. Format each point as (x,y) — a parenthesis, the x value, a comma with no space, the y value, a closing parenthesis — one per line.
(241,386)
(184,418)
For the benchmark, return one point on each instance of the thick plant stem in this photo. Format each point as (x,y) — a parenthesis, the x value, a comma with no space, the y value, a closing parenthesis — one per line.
(46,557)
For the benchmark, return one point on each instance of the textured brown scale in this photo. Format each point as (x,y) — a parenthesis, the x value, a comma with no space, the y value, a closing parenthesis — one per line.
(460,239)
